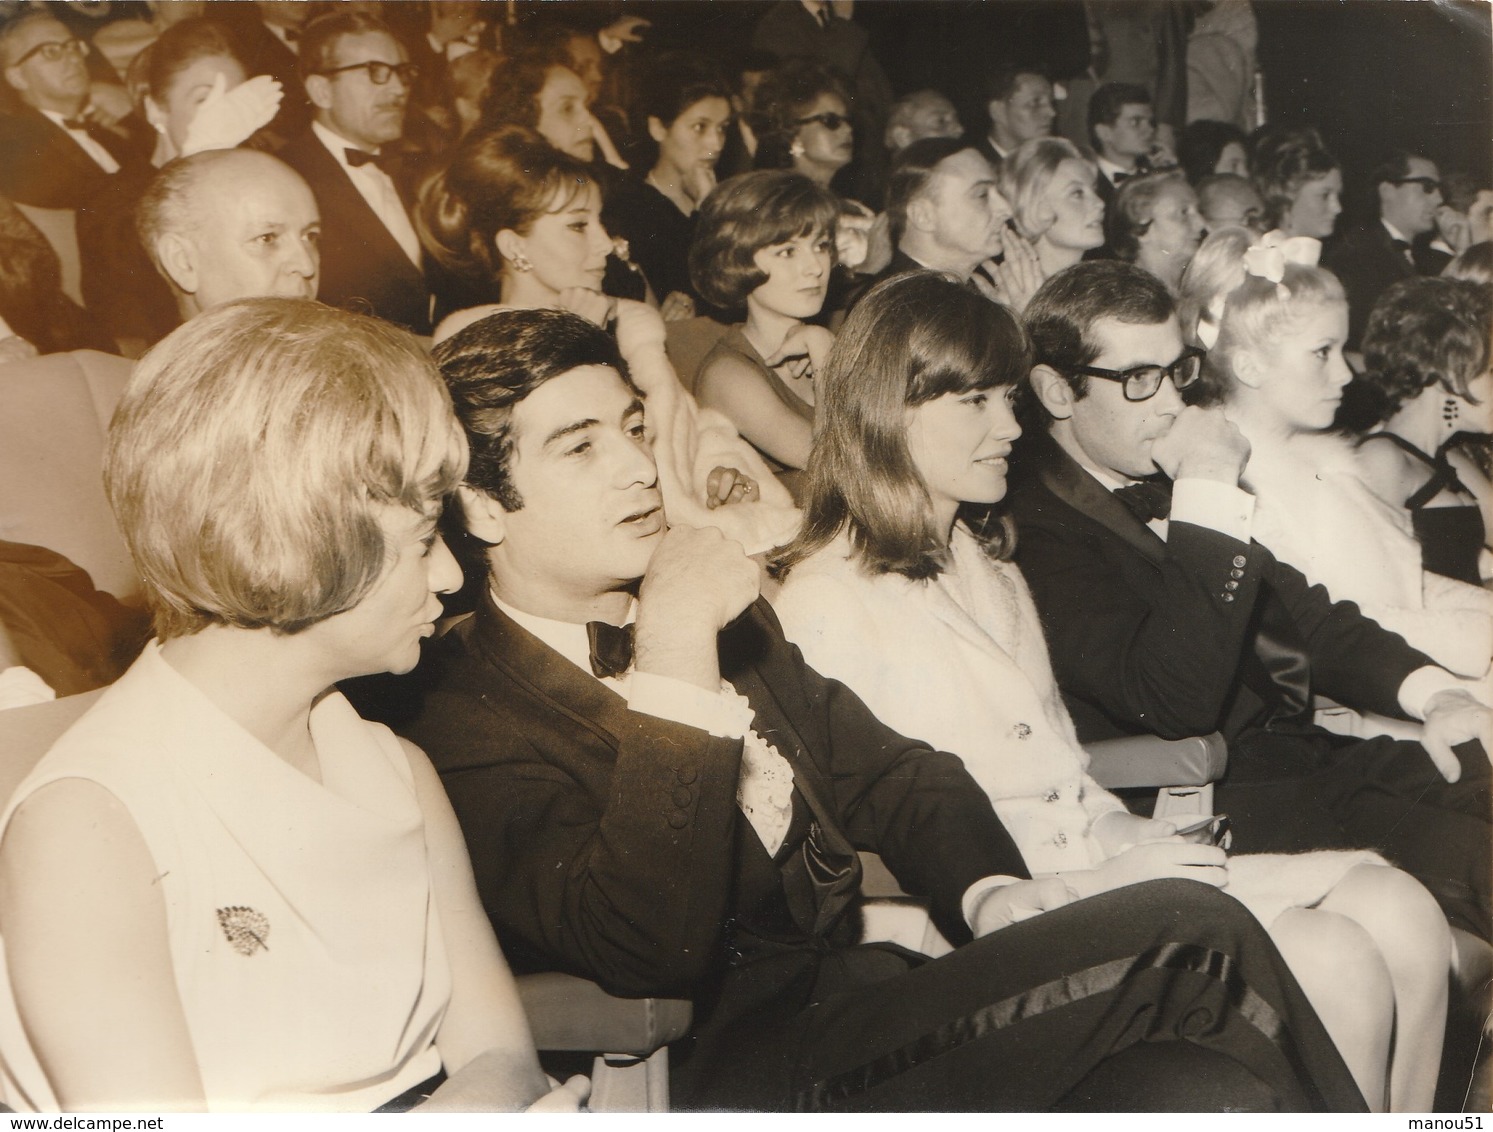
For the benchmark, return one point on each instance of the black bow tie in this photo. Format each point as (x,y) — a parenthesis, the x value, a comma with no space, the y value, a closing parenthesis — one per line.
(611,648)
(357,157)
(1149,499)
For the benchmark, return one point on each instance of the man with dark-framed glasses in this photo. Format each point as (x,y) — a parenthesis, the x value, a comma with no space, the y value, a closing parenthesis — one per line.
(56,151)
(358,79)
(1162,615)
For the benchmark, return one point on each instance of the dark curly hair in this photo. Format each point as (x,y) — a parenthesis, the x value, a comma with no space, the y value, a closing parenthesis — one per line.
(1424,332)
(786,93)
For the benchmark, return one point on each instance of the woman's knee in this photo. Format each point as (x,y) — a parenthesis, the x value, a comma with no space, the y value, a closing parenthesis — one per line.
(1336,961)
(1404,919)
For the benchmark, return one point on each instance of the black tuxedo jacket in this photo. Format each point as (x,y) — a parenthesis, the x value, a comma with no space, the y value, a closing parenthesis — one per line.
(1193,634)
(1366,260)
(609,843)
(362,265)
(41,165)
(263,53)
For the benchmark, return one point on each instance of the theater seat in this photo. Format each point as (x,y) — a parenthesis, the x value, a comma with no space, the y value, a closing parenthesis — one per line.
(687,341)
(629,1036)
(54,416)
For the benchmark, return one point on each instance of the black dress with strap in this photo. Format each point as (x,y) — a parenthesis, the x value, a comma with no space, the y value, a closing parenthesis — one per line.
(1451,538)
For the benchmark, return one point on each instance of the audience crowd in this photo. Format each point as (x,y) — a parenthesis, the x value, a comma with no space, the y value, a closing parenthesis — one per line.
(835,482)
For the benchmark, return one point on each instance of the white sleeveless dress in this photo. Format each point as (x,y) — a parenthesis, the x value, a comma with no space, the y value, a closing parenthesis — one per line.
(305,940)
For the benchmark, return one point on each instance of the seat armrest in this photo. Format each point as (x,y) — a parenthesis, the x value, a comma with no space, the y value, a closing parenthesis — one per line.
(1147,761)
(570,1013)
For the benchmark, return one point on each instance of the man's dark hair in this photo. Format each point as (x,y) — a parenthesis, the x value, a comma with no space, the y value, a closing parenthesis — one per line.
(1062,314)
(1000,84)
(1109,100)
(912,169)
(1395,164)
(493,364)
(318,43)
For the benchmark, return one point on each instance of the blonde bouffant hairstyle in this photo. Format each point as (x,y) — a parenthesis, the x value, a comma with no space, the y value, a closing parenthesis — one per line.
(253,451)
(1217,294)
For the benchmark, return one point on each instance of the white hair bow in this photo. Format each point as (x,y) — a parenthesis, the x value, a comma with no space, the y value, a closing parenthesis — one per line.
(1268,258)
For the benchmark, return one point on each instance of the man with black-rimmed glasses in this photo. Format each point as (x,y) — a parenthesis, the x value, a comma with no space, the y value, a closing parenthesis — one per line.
(1163,616)
(358,78)
(56,150)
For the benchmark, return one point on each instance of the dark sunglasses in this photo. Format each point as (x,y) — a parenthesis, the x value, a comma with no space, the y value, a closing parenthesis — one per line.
(1142,382)
(379,73)
(55,50)
(1428,185)
(829,120)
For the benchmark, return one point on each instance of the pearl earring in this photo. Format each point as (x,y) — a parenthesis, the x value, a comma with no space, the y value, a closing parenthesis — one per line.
(797,149)
(521,262)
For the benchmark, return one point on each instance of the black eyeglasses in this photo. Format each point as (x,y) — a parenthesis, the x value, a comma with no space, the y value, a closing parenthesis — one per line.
(830,120)
(1142,382)
(55,50)
(380,73)
(1428,185)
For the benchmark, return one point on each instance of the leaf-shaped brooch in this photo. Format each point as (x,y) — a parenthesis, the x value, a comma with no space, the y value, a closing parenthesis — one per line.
(245,928)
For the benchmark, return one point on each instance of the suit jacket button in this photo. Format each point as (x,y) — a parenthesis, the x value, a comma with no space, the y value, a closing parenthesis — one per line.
(1240,561)
(683,796)
(1227,597)
(678,821)
(1231,585)
(684,777)
(1236,573)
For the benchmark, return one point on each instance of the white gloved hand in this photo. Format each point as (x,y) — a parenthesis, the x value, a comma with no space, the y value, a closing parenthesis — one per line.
(228,117)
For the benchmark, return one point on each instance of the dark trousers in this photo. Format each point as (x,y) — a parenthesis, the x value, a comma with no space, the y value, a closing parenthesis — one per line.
(1380,794)
(1174,975)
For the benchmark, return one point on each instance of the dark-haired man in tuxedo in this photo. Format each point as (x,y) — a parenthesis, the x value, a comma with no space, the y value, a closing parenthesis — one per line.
(1162,616)
(1394,245)
(675,807)
(1122,130)
(55,150)
(358,78)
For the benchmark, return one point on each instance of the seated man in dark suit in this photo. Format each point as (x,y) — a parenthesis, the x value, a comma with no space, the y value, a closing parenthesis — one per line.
(358,78)
(55,151)
(946,213)
(1122,130)
(1019,103)
(1395,244)
(677,810)
(1182,625)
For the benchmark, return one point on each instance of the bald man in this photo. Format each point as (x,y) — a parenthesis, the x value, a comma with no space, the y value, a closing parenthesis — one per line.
(231,224)
(922,114)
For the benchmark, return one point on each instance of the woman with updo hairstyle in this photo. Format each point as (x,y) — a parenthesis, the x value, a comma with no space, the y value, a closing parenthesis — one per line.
(1299,181)
(222,890)
(197,96)
(765,248)
(901,587)
(535,89)
(802,121)
(1049,184)
(1154,223)
(686,108)
(1426,365)
(511,214)
(1274,325)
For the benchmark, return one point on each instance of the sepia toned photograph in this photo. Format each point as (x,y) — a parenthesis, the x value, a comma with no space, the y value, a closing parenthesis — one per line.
(746,556)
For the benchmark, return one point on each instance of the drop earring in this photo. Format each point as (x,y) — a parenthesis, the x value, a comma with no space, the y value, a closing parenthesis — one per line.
(1451,410)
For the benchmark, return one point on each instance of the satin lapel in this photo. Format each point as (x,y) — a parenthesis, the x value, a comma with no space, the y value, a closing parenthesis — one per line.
(822,877)
(532,664)
(1062,476)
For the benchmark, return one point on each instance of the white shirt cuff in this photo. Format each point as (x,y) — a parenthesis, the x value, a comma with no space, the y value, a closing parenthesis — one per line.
(1426,682)
(976,892)
(1221,507)
(725,715)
